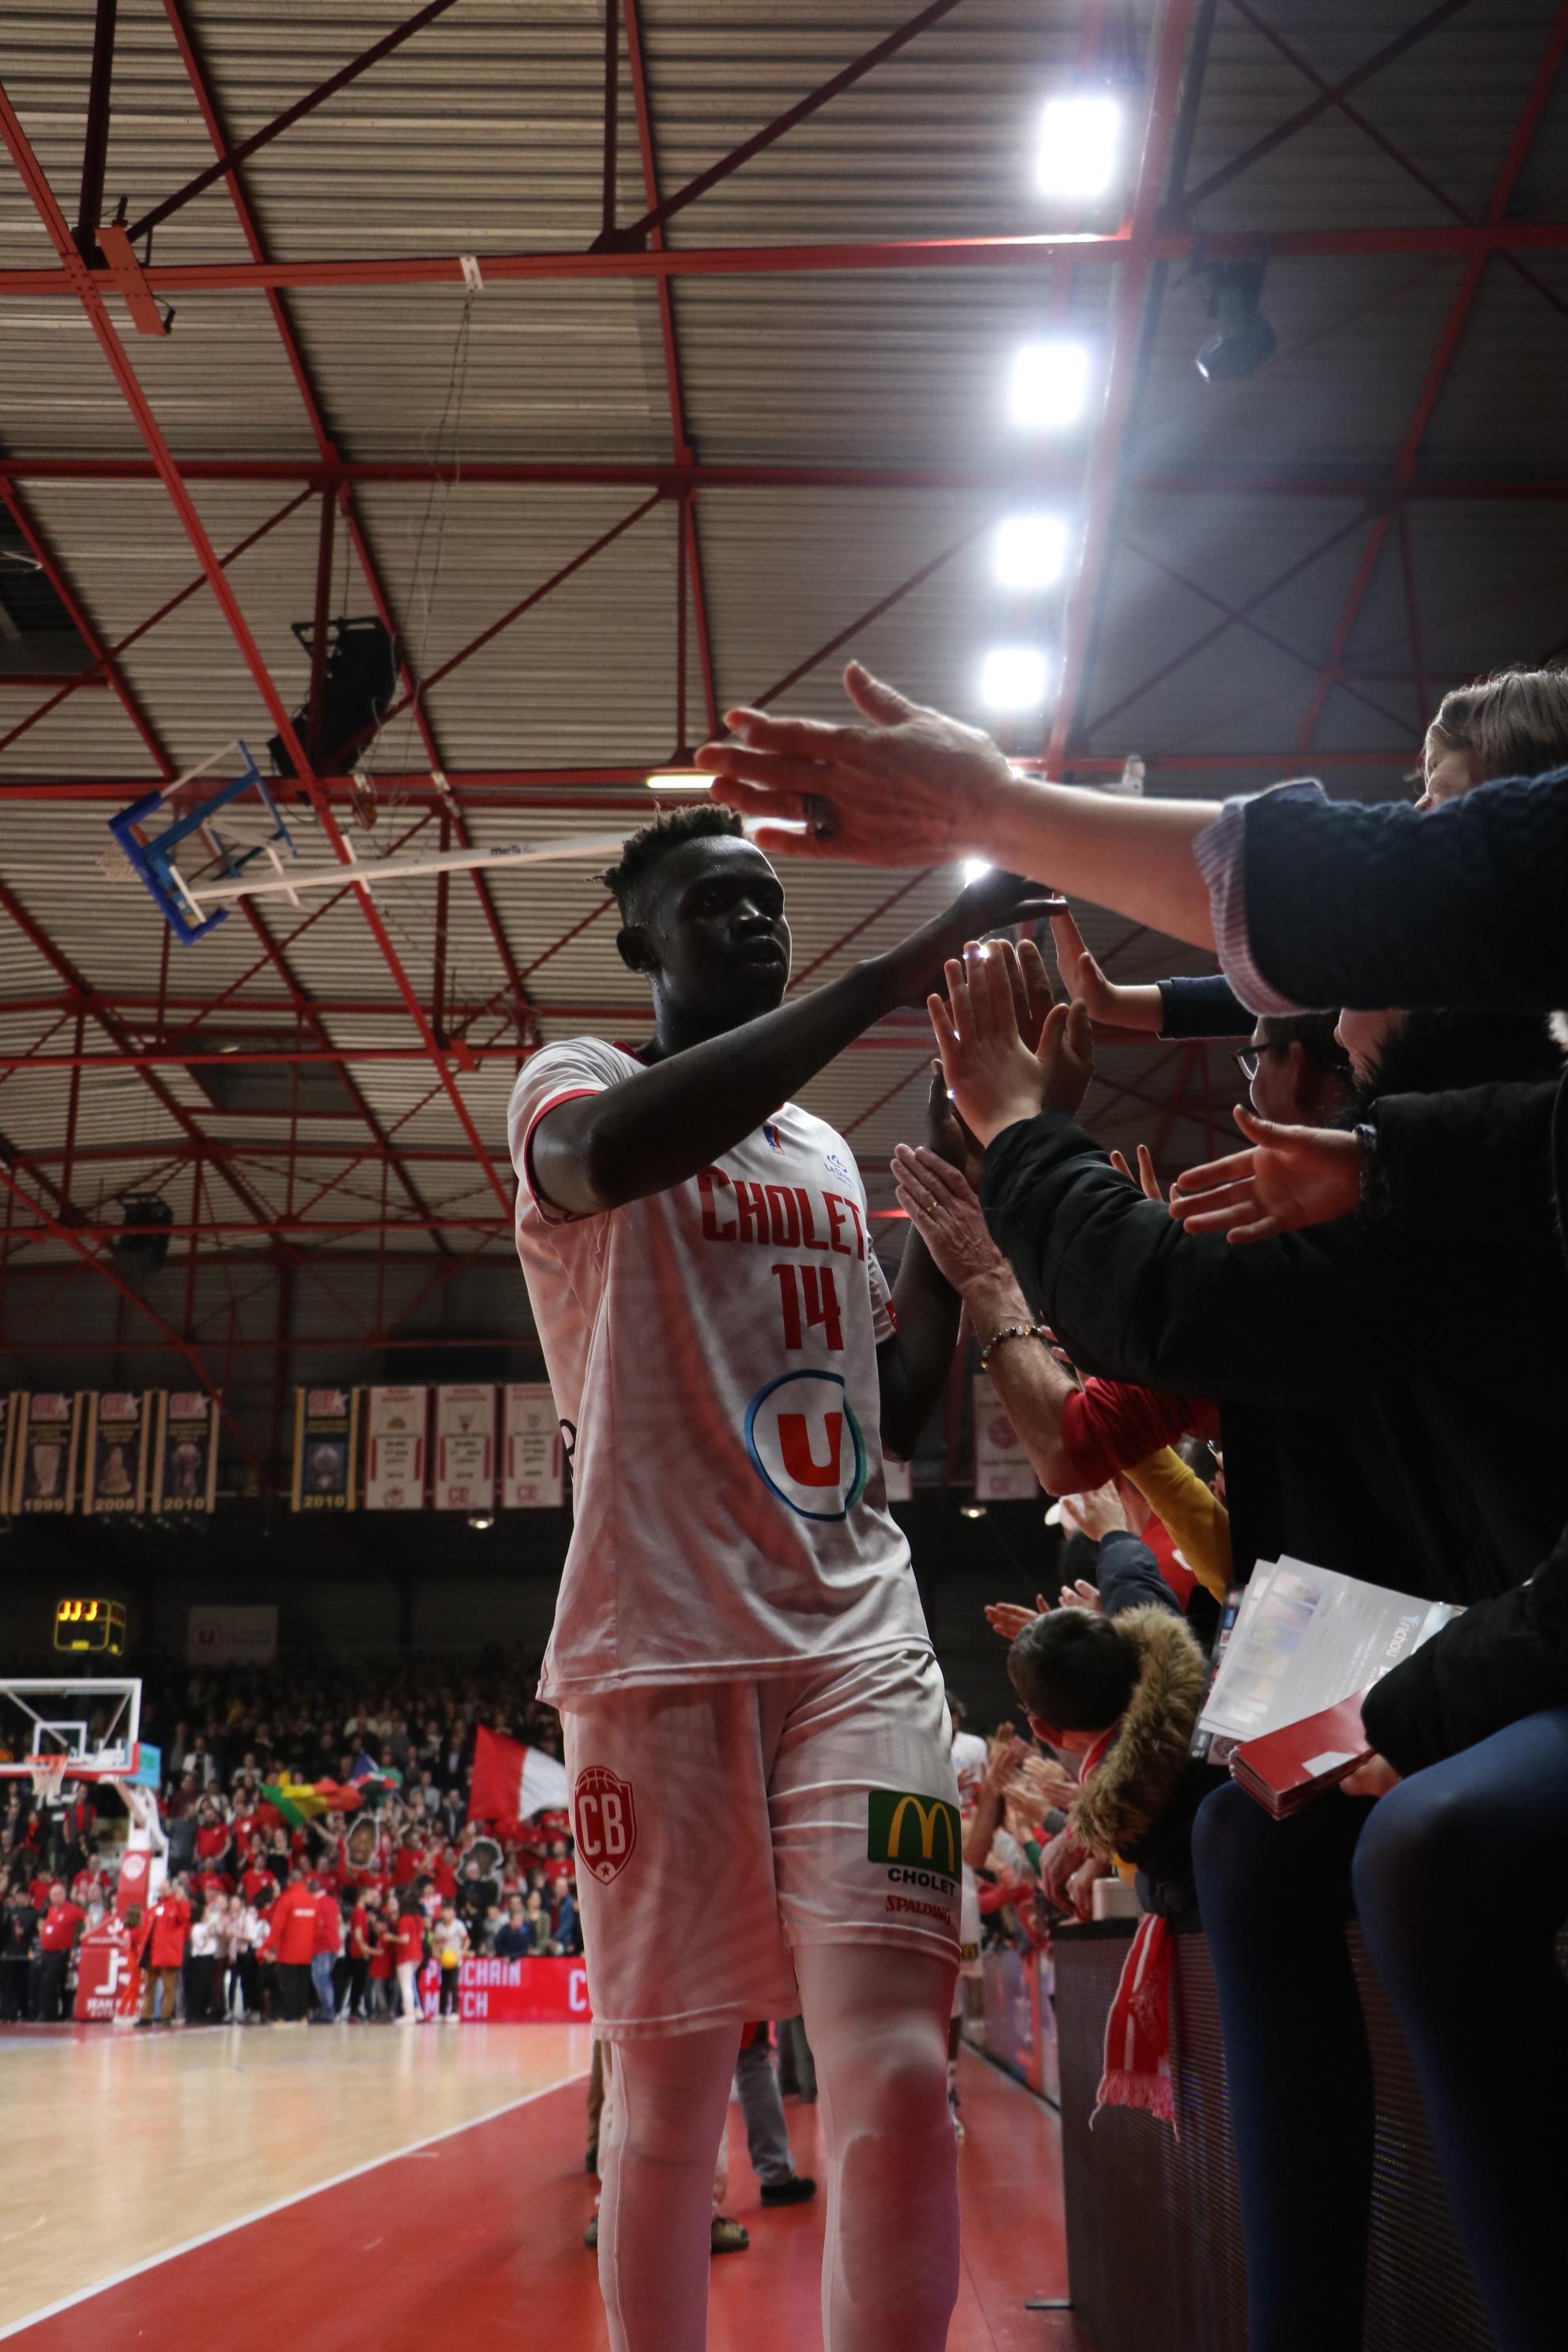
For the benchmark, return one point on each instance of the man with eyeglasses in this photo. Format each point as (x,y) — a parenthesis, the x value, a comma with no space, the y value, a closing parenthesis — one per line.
(1295,1070)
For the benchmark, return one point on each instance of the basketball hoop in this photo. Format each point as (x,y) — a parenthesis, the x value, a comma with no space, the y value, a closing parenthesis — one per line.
(48,1777)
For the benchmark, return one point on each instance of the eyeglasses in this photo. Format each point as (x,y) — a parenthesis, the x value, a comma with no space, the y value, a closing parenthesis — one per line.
(1247,1062)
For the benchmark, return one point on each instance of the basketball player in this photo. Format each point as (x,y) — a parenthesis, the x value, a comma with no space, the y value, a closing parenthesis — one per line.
(763,1793)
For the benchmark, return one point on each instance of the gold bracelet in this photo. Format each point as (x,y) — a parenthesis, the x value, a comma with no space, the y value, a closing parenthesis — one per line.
(999,1339)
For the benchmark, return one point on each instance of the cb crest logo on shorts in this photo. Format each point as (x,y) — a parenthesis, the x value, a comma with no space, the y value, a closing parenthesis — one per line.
(605,1821)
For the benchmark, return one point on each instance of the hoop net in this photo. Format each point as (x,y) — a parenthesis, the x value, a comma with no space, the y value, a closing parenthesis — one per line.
(47,1774)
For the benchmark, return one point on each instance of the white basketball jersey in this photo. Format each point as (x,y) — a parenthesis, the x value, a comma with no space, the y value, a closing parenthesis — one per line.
(714,1347)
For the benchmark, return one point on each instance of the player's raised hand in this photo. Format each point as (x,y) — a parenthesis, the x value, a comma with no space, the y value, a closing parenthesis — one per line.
(1291,1177)
(941,1204)
(993,902)
(909,785)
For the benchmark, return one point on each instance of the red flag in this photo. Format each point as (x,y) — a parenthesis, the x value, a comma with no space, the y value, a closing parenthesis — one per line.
(512,1781)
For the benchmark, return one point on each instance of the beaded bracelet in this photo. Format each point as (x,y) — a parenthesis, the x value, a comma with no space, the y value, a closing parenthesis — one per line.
(999,1339)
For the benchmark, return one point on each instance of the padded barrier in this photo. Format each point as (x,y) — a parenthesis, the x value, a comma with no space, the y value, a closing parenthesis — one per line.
(1153,2226)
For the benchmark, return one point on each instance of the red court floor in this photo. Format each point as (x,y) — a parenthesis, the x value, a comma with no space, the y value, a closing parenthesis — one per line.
(478,2242)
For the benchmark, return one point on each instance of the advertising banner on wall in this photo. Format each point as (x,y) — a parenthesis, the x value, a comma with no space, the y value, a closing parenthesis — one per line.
(184,1453)
(119,1450)
(44,1459)
(514,1993)
(396,1449)
(533,1460)
(465,1448)
(221,1634)
(1003,1470)
(326,1429)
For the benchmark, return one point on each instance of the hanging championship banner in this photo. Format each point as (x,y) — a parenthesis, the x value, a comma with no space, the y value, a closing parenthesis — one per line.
(532,1471)
(10,1422)
(184,1453)
(394,1449)
(326,1426)
(465,1448)
(119,1447)
(1003,1470)
(45,1449)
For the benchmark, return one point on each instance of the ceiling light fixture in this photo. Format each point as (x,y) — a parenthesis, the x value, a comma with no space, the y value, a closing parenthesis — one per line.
(1012,677)
(1080,147)
(974,869)
(971,1511)
(674,782)
(1049,386)
(1031,551)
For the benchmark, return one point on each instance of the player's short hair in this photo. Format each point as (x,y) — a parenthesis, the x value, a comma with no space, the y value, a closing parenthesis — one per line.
(644,851)
(1074,1669)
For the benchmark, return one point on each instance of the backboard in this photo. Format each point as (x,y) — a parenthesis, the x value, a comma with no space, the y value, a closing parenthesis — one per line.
(95,1724)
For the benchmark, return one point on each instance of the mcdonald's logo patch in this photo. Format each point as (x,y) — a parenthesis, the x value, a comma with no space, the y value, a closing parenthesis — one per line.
(605,1821)
(924,1831)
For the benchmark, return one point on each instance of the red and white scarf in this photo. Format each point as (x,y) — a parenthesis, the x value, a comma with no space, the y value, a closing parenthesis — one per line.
(1137,2070)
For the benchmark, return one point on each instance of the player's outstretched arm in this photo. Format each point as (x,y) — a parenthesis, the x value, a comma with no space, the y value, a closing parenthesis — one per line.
(915,784)
(660,1127)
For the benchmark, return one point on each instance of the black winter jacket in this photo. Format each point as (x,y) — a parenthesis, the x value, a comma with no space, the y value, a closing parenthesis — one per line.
(1391,1407)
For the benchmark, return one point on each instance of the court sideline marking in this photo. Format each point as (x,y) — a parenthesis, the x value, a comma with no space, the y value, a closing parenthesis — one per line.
(279,2204)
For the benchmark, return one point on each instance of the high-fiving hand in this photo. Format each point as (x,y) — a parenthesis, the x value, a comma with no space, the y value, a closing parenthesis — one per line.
(993,1077)
(1292,1176)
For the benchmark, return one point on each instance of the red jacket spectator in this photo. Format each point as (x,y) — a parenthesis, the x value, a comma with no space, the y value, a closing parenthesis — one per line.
(258,1885)
(386,1950)
(410,1940)
(405,1870)
(443,1878)
(293,1940)
(168,1924)
(211,1841)
(58,1928)
(329,1925)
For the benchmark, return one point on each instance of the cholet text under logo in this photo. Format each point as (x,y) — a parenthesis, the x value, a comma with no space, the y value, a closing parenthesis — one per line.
(805,1443)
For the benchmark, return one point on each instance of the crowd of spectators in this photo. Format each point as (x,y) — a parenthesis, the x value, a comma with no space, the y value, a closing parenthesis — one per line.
(1364,1307)
(261,1917)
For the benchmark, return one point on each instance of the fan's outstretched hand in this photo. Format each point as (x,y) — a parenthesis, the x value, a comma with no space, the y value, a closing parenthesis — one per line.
(1291,1177)
(992,1076)
(910,777)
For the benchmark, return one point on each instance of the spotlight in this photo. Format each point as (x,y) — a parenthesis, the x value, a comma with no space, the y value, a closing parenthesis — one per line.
(1080,142)
(1245,339)
(1050,385)
(1012,677)
(1031,551)
(144,1252)
(971,1511)
(481,1520)
(974,869)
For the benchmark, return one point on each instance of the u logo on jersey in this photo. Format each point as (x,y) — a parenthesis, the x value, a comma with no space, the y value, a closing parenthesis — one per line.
(805,1443)
(603,1822)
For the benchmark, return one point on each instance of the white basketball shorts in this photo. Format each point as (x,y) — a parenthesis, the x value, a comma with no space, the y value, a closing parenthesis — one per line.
(719,1825)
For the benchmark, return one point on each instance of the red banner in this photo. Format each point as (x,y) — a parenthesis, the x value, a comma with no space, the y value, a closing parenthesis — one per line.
(515,1992)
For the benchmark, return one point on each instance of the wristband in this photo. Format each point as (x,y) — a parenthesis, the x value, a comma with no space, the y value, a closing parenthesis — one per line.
(1000,1338)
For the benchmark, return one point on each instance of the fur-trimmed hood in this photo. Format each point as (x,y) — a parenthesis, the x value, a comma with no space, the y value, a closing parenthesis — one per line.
(1139,1773)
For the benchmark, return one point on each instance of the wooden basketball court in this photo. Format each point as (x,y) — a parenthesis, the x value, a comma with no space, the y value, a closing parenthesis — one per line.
(304,2186)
